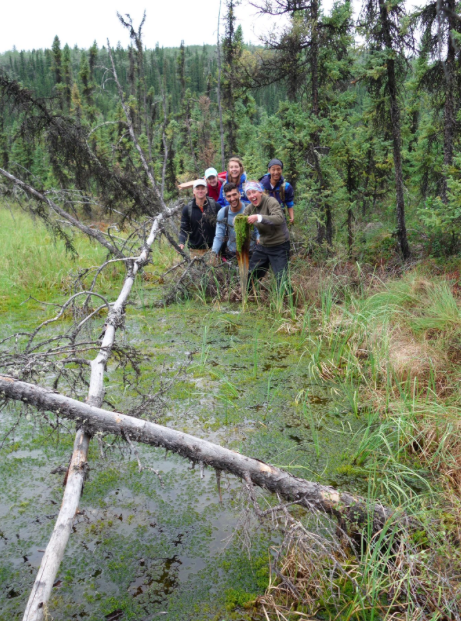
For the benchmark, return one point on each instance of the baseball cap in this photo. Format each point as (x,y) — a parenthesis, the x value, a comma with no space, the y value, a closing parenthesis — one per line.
(211,172)
(198,182)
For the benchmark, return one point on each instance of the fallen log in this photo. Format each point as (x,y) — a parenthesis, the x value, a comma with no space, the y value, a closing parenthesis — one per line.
(41,591)
(54,552)
(354,512)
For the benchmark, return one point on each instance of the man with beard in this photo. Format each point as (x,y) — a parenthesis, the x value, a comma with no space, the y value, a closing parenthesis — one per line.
(225,231)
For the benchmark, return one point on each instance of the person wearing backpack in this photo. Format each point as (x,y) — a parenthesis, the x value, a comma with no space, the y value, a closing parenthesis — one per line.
(274,185)
(198,221)
(224,241)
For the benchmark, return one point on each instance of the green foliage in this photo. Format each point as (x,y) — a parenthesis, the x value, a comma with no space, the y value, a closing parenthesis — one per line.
(242,231)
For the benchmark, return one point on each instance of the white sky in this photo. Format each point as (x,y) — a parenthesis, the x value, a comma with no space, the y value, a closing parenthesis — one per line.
(29,24)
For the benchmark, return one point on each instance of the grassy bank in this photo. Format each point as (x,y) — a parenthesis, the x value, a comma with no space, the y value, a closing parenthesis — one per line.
(35,264)
(392,347)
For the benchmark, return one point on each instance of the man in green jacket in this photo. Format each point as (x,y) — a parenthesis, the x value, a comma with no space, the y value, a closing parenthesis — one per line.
(273,248)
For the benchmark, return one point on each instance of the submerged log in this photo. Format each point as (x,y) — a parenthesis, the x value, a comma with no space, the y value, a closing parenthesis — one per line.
(353,511)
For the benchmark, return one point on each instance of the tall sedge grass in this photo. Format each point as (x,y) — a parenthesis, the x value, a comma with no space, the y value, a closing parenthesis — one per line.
(392,351)
(32,261)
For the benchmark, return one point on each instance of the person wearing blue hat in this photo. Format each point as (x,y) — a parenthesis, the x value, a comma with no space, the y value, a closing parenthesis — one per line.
(275,185)
(213,183)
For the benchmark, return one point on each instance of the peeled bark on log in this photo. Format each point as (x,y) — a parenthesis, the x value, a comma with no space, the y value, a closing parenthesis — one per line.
(55,549)
(49,566)
(352,511)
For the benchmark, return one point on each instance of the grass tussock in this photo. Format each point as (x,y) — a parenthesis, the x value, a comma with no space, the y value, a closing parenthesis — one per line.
(392,348)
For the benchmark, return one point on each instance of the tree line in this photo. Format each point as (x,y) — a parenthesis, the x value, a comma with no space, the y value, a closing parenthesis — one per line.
(363,110)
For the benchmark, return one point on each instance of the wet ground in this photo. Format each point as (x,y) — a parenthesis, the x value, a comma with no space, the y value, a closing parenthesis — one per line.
(145,548)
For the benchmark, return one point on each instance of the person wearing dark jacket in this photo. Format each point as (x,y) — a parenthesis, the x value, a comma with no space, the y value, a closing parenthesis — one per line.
(274,185)
(198,221)
(273,247)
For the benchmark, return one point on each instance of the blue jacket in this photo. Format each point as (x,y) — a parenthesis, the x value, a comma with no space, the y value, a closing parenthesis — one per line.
(243,197)
(287,198)
(225,228)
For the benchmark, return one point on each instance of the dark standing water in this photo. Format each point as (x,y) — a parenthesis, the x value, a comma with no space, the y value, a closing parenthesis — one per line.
(144,548)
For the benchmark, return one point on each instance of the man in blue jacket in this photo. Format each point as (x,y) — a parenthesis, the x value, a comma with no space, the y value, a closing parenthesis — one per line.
(275,185)
(225,231)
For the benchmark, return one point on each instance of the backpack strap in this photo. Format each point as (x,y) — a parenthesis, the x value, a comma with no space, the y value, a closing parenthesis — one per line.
(189,210)
(226,218)
(282,191)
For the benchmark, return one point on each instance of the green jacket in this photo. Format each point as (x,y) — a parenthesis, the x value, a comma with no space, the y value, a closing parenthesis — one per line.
(273,229)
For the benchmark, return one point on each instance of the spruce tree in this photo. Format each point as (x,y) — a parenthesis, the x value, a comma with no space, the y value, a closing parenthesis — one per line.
(382,26)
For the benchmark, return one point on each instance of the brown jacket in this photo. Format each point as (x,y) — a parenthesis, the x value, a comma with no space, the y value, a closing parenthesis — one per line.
(273,229)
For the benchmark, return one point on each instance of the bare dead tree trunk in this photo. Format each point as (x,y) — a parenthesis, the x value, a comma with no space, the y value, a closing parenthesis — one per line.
(164,139)
(54,552)
(41,591)
(354,511)
(147,168)
(221,126)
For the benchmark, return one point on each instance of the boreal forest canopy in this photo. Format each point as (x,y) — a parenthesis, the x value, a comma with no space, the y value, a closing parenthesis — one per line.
(363,112)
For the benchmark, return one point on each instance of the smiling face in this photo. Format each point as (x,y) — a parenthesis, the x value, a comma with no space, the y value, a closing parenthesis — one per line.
(234,170)
(275,173)
(213,181)
(233,198)
(200,192)
(254,197)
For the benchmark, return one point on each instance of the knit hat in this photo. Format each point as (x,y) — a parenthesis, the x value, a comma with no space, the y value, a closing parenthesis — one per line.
(275,162)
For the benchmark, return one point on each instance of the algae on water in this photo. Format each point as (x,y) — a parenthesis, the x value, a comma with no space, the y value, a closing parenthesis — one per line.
(242,231)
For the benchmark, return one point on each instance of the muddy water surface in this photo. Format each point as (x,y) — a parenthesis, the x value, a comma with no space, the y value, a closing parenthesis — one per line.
(145,547)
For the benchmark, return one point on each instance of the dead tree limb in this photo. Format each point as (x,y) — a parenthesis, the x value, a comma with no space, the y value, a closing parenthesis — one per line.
(33,193)
(54,552)
(41,591)
(353,511)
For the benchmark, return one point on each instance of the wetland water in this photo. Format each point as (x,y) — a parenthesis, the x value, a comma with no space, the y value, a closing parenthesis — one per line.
(144,548)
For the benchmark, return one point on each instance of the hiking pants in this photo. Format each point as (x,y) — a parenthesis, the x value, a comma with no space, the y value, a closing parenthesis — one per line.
(265,256)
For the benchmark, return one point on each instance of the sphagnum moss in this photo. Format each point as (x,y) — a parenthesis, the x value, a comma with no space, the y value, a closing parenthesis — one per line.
(242,231)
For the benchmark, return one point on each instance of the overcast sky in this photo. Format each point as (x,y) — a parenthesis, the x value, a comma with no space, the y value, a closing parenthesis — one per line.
(29,24)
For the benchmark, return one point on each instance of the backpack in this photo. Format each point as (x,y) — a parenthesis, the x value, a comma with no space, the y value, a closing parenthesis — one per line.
(281,192)
(213,204)
(226,237)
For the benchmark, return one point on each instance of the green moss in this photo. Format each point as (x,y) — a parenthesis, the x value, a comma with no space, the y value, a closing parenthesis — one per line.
(242,231)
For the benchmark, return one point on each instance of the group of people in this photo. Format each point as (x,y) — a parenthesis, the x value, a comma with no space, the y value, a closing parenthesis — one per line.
(207,221)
